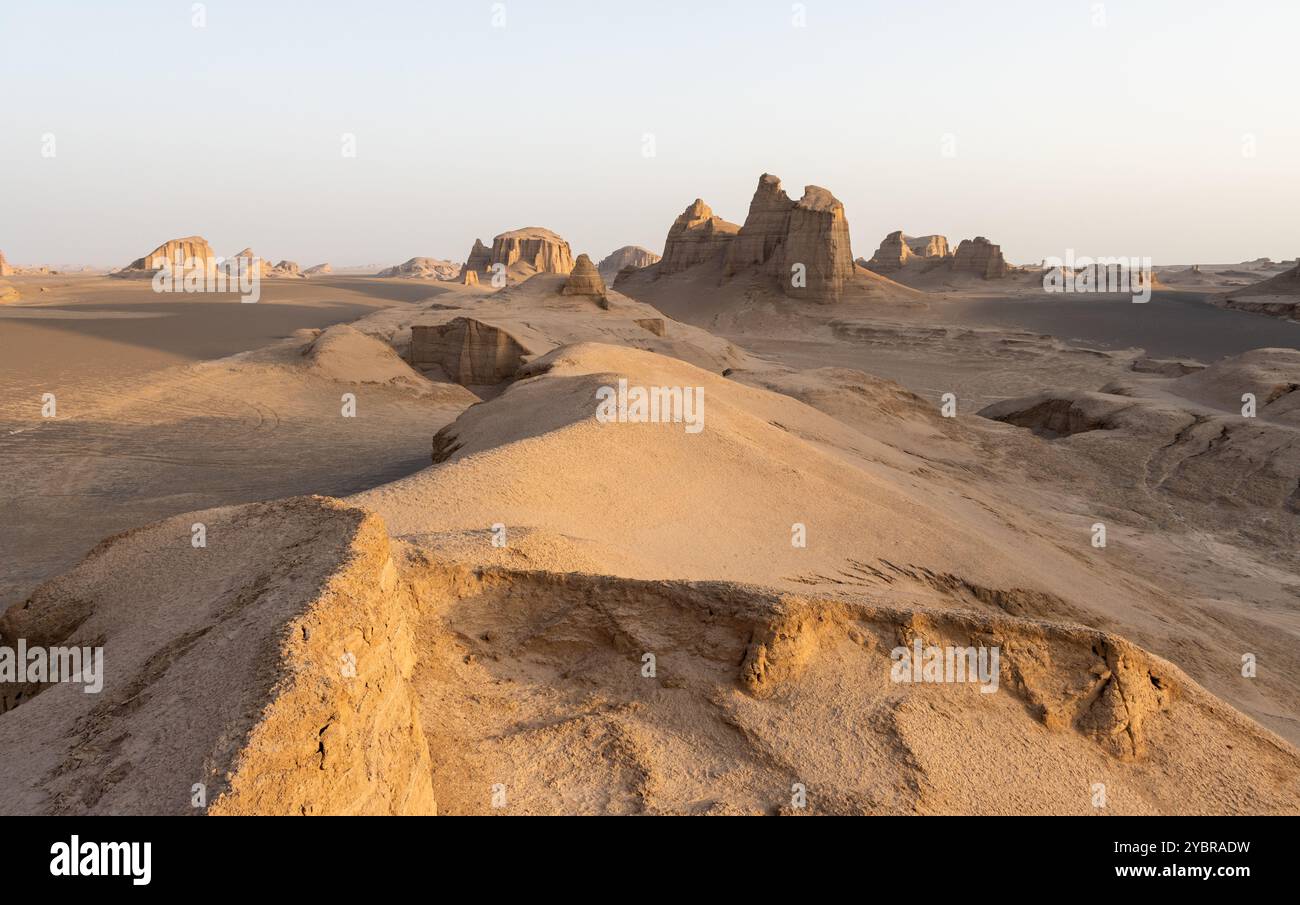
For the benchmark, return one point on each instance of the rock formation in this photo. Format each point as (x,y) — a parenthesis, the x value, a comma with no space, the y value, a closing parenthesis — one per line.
(523,253)
(803,245)
(899,249)
(893,254)
(584,279)
(468,351)
(5,269)
(633,256)
(696,236)
(480,257)
(247,261)
(468,277)
(980,257)
(766,227)
(318,270)
(188,250)
(424,269)
(818,239)
(935,246)
(286,269)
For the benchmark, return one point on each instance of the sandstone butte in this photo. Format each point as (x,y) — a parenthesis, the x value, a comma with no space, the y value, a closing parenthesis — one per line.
(781,234)
(981,257)
(533,248)
(191,248)
(898,250)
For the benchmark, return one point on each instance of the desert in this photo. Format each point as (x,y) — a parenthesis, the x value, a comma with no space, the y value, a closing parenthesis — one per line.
(816,497)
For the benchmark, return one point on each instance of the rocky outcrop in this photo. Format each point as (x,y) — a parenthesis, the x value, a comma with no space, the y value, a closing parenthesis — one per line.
(468,351)
(286,269)
(190,251)
(523,252)
(468,277)
(629,256)
(818,240)
(696,236)
(247,261)
(584,279)
(318,270)
(893,254)
(803,245)
(981,258)
(480,257)
(424,269)
(274,675)
(928,246)
(5,269)
(898,250)
(766,227)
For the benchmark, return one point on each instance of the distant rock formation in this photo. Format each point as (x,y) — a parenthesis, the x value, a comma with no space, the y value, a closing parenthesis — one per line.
(286,269)
(898,250)
(468,351)
(980,257)
(318,270)
(633,256)
(247,261)
(480,257)
(585,279)
(424,269)
(5,269)
(935,246)
(523,253)
(803,244)
(187,250)
(696,236)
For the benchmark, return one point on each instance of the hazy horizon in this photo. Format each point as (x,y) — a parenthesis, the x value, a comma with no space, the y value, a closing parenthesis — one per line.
(1124,132)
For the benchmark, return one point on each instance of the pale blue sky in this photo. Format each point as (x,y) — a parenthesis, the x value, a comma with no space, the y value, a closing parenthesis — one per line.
(1123,139)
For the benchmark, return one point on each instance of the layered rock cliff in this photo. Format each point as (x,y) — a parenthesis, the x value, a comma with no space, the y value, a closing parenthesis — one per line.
(523,253)
(468,351)
(696,236)
(980,257)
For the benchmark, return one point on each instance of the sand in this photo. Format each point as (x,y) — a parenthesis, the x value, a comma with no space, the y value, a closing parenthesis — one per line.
(460,624)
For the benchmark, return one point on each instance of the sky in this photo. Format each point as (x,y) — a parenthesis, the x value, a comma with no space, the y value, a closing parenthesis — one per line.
(1131,127)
